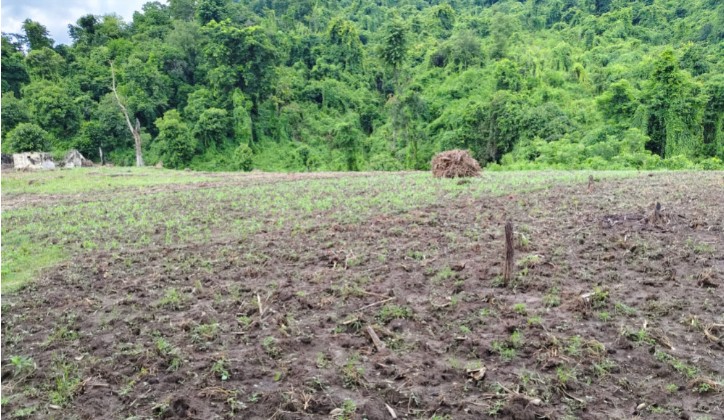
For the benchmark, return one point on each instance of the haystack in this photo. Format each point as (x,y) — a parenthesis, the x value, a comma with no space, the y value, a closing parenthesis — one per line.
(454,164)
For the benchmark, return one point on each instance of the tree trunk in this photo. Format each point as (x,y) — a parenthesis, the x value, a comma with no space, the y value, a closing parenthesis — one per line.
(137,139)
(135,130)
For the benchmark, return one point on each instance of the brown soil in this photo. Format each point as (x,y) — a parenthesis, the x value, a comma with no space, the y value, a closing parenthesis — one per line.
(610,315)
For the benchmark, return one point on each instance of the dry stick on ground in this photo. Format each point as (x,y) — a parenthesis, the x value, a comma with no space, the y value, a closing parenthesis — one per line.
(391,411)
(375,339)
(135,131)
(509,252)
(375,304)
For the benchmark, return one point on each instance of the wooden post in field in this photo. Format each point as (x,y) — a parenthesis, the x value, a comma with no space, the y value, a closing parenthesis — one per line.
(657,213)
(509,253)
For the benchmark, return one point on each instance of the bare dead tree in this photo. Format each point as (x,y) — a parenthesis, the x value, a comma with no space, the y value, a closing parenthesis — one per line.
(509,252)
(135,130)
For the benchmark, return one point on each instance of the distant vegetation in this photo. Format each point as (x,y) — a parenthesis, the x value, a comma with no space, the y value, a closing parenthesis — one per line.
(378,85)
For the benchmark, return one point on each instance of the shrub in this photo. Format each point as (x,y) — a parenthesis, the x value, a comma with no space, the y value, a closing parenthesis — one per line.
(27,137)
(711,164)
(176,144)
(384,162)
(677,162)
(243,157)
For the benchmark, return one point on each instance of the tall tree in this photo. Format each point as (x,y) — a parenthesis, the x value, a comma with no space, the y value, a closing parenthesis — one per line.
(393,47)
(14,73)
(344,44)
(14,112)
(176,144)
(37,35)
(182,9)
(44,63)
(53,107)
(212,10)
(618,102)
(675,108)
(243,58)
(713,144)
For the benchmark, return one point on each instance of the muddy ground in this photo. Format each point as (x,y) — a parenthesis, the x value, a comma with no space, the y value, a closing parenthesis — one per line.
(614,311)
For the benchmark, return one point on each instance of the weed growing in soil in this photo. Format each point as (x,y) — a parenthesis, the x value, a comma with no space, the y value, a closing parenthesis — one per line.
(244,321)
(171,354)
(271,347)
(205,333)
(61,333)
(322,361)
(529,261)
(67,381)
(552,298)
(622,308)
(574,346)
(506,352)
(516,339)
(348,410)
(706,387)
(352,373)
(565,376)
(444,274)
(519,308)
(599,299)
(220,369)
(679,366)
(389,312)
(602,368)
(24,412)
(640,336)
(172,299)
(22,365)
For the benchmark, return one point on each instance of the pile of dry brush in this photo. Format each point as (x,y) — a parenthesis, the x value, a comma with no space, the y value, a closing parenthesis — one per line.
(454,164)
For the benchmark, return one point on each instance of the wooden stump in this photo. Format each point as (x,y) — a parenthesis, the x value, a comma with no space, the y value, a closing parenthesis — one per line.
(509,253)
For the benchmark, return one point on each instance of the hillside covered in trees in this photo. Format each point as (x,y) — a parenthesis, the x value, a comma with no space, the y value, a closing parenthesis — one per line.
(377,84)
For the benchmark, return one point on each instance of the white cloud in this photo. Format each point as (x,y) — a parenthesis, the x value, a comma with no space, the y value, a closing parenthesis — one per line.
(57,15)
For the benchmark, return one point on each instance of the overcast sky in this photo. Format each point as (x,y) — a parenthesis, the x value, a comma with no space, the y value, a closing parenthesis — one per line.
(56,15)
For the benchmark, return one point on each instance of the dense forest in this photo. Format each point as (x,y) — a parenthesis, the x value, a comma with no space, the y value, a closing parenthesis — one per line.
(296,85)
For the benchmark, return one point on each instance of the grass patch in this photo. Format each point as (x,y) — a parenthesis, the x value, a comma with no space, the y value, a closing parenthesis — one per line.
(24,263)
(94,179)
(46,234)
